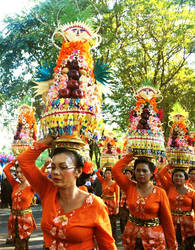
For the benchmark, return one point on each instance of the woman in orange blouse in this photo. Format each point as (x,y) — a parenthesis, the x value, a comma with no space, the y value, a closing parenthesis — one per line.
(71,218)
(21,222)
(182,202)
(150,225)
(110,196)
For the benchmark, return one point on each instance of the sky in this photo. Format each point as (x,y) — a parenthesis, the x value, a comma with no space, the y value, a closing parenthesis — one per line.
(10,7)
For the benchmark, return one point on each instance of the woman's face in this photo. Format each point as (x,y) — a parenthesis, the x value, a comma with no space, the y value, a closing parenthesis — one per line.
(142,173)
(192,175)
(63,172)
(20,175)
(108,175)
(179,178)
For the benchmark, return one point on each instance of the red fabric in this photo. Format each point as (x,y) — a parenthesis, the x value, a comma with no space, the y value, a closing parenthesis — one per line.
(20,200)
(87,222)
(88,167)
(152,206)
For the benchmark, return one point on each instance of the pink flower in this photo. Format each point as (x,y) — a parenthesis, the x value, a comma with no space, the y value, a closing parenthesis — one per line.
(66,101)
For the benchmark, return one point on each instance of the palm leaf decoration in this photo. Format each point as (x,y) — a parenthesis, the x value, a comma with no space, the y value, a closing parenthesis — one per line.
(44,72)
(101,72)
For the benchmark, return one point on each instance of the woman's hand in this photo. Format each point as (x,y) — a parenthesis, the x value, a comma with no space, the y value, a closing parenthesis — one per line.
(48,140)
(47,161)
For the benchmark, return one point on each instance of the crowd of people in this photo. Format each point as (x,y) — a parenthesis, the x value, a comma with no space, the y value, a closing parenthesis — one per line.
(151,217)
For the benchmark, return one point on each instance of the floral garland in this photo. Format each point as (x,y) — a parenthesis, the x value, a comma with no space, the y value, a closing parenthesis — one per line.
(68,48)
(141,101)
(182,126)
(30,119)
(5,158)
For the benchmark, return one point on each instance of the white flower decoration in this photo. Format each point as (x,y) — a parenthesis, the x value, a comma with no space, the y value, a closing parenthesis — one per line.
(89,199)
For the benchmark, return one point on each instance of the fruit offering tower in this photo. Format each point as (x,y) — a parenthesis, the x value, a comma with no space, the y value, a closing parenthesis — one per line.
(110,151)
(72,91)
(180,151)
(145,136)
(26,130)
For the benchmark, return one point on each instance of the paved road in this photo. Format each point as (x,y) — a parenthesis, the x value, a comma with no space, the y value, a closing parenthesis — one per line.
(36,239)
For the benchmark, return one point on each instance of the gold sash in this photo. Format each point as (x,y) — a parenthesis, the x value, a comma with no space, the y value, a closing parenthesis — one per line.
(144,223)
(110,197)
(181,213)
(21,211)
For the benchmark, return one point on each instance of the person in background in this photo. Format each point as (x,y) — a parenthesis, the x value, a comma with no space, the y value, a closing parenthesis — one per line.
(182,202)
(6,192)
(150,224)
(71,218)
(110,196)
(123,210)
(6,201)
(21,222)
(97,186)
(191,181)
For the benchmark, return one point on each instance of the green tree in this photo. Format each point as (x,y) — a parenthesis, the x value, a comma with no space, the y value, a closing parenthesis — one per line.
(141,39)
(25,42)
(148,39)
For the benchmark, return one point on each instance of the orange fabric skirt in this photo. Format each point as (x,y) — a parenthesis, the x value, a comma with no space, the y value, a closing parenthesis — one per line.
(111,205)
(152,237)
(26,225)
(187,225)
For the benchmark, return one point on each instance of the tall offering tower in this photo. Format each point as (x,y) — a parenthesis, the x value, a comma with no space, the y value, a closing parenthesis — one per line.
(180,151)
(26,130)
(145,136)
(70,90)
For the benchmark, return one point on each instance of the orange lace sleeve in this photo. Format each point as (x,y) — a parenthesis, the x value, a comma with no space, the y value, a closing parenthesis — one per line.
(32,173)
(119,177)
(103,231)
(8,174)
(165,177)
(117,192)
(167,222)
(100,178)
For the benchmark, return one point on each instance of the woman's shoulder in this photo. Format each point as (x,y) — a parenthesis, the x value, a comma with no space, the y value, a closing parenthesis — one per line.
(159,191)
(94,201)
(132,184)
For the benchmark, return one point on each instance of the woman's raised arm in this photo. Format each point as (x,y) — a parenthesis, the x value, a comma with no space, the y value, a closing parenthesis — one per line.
(119,177)
(8,174)
(32,173)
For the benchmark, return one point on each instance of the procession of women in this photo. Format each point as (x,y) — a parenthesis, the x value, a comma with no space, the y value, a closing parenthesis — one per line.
(95,181)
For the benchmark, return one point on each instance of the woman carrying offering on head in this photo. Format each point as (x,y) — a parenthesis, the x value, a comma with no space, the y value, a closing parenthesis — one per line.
(71,218)
(110,196)
(182,202)
(150,224)
(21,222)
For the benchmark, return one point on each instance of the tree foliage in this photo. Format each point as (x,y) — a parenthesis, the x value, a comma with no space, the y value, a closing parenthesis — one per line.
(141,39)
